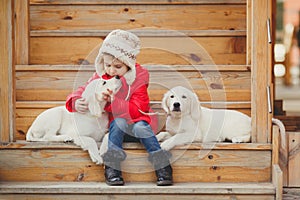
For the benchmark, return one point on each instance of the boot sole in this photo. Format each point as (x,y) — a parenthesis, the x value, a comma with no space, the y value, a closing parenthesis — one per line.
(116,183)
(164,183)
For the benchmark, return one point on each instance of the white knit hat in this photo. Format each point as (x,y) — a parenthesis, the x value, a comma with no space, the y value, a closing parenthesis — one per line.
(124,46)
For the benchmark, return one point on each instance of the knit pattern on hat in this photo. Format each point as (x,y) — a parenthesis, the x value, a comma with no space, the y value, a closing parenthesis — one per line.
(124,46)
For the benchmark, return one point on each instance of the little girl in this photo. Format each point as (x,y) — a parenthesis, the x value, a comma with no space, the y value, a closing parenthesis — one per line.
(117,57)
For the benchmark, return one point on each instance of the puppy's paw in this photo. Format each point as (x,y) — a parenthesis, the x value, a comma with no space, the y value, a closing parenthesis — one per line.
(68,139)
(97,159)
(166,145)
(163,136)
(241,139)
(237,140)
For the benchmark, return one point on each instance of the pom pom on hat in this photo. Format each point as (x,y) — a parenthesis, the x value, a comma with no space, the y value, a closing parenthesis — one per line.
(124,46)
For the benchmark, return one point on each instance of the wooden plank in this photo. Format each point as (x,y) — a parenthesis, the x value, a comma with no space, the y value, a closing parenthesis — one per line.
(155,50)
(284,160)
(149,32)
(291,123)
(22,31)
(239,95)
(27,111)
(7,71)
(82,2)
(75,165)
(139,188)
(192,17)
(154,104)
(291,193)
(280,155)
(158,81)
(137,197)
(150,68)
(249,32)
(32,81)
(96,190)
(209,86)
(275,144)
(277,181)
(260,72)
(294,159)
(43,95)
(271,30)
(195,146)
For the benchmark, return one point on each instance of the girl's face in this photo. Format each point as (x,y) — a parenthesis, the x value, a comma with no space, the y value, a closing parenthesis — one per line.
(113,66)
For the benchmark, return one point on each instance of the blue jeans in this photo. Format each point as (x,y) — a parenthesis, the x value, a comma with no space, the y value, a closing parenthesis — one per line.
(141,130)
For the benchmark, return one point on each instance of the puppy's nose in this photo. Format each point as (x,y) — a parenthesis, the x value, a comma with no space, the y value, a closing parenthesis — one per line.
(117,77)
(176,105)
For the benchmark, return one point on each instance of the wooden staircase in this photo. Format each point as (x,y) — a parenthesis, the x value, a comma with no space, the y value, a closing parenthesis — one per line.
(64,171)
(219,48)
(98,190)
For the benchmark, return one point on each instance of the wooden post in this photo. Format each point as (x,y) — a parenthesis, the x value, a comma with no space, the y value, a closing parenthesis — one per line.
(249,32)
(7,71)
(277,181)
(22,32)
(261,68)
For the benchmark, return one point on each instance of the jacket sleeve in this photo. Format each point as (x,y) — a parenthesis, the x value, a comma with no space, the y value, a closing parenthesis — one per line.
(71,98)
(139,100)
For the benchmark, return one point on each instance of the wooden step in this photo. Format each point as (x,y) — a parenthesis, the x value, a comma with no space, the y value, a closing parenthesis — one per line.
(138,190)
(220,162)
(27,111)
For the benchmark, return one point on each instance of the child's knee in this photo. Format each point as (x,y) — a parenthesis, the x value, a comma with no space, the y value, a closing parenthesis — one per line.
(142,130)
(119,124)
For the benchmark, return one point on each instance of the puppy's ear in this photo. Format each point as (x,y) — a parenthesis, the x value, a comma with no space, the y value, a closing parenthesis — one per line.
(94,106)
(164,103)
(195,107)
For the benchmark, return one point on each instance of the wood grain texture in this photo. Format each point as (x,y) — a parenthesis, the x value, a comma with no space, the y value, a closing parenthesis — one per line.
(291,123)
(22,31)
(209,86)
(141,190)
(260,73)
(27,111)
(192,17)
(294,159)
(21,144)
(277,181)
(217,86)
(145,32)
(155,50)
(82,2)
(7,86)
(74,165)
(136,197)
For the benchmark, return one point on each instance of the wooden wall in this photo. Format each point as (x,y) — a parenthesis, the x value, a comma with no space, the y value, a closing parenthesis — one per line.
(202,45)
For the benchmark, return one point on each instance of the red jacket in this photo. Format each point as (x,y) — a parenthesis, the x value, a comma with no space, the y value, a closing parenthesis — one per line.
(138,99)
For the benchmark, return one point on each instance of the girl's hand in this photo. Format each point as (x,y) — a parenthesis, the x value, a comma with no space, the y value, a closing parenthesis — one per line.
(107,95)
(81,105)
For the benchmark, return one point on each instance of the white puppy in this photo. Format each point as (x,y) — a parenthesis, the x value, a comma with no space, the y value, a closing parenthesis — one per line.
(59,125)
(189,122)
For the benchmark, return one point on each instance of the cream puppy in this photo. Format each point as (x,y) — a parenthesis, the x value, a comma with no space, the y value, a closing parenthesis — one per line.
(85,130)
(189,122)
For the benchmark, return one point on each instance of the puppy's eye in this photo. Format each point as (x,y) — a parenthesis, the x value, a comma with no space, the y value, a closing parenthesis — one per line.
(183,96)
(104,82)
(172,96)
